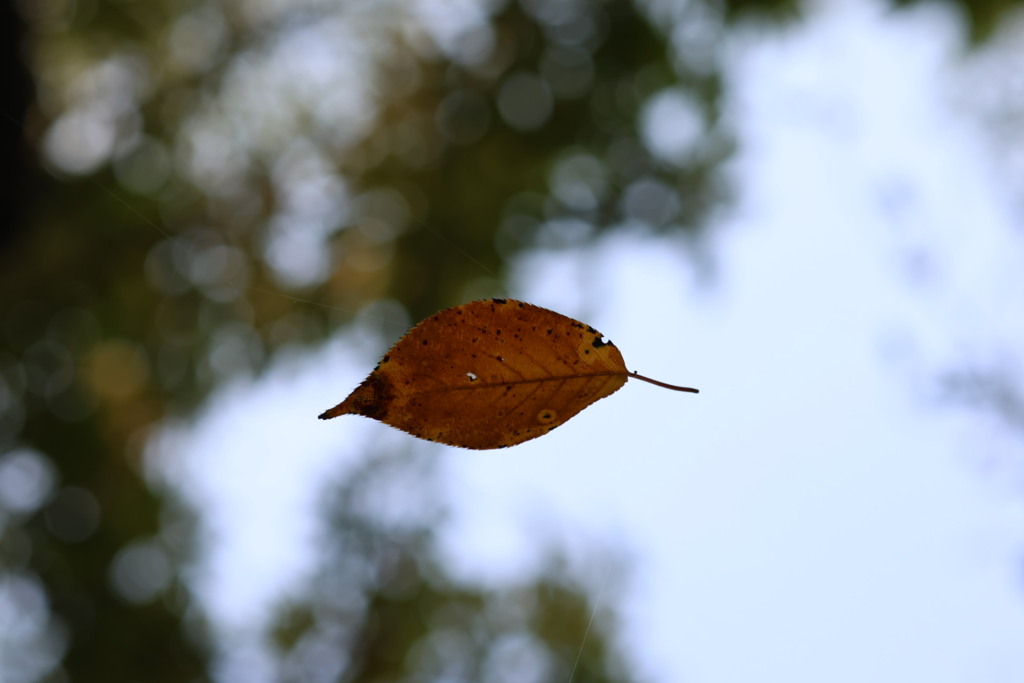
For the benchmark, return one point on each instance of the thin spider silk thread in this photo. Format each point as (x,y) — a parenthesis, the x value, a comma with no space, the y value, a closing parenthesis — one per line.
(590,623)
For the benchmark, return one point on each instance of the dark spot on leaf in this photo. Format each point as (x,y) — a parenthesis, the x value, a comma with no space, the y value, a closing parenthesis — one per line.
(500,359)
(499,301)
(546,415)
(591,330)
(599,342)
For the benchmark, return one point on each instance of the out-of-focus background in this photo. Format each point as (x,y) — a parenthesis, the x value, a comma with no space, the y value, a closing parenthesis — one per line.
(216,216)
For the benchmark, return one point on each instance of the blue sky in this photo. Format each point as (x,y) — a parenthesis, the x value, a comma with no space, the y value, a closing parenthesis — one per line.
(815,513)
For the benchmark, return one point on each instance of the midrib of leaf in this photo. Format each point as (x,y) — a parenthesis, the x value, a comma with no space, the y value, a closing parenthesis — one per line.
(478,384)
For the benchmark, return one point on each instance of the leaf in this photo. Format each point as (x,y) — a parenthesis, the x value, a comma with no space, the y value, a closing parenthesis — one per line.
(490,374)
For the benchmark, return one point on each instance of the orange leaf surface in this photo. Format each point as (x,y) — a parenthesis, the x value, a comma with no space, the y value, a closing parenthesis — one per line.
(490,374)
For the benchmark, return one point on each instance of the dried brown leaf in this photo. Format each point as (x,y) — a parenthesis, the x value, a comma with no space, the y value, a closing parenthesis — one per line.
(490,374)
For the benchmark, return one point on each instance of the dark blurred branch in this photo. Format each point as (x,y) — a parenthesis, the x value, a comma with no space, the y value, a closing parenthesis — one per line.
(15,95)
(996,392)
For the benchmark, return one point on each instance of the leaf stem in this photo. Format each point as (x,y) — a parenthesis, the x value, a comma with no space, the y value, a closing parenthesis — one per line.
(673,387)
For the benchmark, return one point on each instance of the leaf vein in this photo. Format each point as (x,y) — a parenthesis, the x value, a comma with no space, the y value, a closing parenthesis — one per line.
(480,384)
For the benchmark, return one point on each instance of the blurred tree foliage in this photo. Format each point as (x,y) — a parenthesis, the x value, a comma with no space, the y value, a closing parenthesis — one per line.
(385,608)
(981,17)
(192,187)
